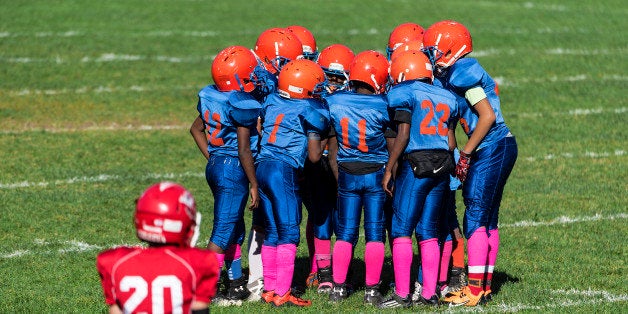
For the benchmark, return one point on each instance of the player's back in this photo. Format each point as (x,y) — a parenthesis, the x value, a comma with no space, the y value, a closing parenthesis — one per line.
(360,122)
(157,279)
(431,108)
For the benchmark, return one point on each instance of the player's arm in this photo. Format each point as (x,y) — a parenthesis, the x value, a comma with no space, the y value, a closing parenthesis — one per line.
(399,145)
(197,130)
(199,307)
(314,147)
(486,118)
(114,309)
(246,160)
(332,147)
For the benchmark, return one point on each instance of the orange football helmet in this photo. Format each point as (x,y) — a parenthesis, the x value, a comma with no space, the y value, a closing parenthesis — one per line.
(166,213)
(335,61)
(371,68)
(401,34)
(276,46)
(413,45)
(301,78)
(310,49)
(411,65)
(447,41)
(232,68)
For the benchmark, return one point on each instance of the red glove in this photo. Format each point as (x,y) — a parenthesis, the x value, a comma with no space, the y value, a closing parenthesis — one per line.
(462,168)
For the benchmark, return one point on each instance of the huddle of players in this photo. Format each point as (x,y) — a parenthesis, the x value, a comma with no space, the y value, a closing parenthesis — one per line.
(344,133)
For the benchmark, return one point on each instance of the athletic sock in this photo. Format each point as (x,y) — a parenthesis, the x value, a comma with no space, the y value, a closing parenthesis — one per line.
(430,258)
(445,257)
(373,260)
(322,255)
(269,258)
(286,254)
(341,258)
(457,253)
(402,262)
(493,248)
(233,261)
(478,252)
(255,242)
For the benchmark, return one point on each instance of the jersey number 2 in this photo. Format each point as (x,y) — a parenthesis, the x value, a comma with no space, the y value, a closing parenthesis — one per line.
(212,136)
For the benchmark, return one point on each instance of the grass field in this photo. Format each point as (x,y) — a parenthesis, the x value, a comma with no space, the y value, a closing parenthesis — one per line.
(96,98)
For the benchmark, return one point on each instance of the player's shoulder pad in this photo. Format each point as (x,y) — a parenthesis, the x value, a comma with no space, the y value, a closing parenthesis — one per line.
(316,117)
(210,92)
(398,97)
(466,73)
(245,108)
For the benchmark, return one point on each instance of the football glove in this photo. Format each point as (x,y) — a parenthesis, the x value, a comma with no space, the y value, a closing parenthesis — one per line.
(462,168)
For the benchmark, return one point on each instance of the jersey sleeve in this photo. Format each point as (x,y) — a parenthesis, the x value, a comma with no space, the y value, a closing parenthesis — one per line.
(316,119)
(466,74)
(103,265)
(245,109)
(399,99)
(208,273)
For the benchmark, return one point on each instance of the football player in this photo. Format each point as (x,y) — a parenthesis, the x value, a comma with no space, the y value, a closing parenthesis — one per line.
(215,131)
(422,113)
(402,34)
(310,49)
(291,123)
(360,121)
(486,159)
(274,47)
(319,184)
(168,276)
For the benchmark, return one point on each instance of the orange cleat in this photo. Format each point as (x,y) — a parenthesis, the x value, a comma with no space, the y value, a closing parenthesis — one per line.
(289,300)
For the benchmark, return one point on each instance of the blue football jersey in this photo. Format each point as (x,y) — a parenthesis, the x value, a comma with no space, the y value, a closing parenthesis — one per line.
(221,121)
(285,124)
(431,109)
(463,75)
(360,122)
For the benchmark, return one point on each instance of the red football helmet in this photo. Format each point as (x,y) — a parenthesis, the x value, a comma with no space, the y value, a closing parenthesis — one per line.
(401,34)
(166,213)
(232,68)
(411,65)
(371,68)
(310,49)
(447,41)
(300,78)
(413,45)
(276,46)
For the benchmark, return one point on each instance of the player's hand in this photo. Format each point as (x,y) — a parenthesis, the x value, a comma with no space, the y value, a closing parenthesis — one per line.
(254,198)
(462,168)
(387,183)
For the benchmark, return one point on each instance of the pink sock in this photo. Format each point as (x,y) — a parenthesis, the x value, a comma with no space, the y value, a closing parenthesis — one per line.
(269,264)
(311,245)
(402,261)
(493,248)
(445,257)
(322,254)
(373,260)
(477,247)
(341,260)
(285,267)
(220,257)
(430,258)
(233,252)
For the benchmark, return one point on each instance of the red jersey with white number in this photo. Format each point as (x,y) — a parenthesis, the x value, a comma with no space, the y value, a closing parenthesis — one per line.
(157,279)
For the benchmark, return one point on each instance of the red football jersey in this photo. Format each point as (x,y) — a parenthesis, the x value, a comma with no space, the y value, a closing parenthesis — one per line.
(157,279)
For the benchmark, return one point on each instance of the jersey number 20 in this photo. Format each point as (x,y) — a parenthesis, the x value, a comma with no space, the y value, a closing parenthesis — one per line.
(157,287)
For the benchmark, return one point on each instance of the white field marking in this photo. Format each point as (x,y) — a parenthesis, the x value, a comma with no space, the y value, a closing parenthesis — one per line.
(584,78)
(109,57)
(564,220)
(95,90)
(72,246)
(574,112)
(560,299)
(99,178)
(587,154)
(100,128)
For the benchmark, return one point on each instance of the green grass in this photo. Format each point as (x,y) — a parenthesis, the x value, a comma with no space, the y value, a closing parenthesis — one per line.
(96,99)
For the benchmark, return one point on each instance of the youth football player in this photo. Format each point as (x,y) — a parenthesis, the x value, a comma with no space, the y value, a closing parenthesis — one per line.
(486,159)
(168,276)
(360,121)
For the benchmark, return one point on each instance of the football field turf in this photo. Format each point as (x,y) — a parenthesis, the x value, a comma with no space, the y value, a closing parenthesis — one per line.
(96,100)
